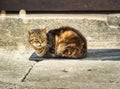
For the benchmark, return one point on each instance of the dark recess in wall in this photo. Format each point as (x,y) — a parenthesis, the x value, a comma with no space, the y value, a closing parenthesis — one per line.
(61,6)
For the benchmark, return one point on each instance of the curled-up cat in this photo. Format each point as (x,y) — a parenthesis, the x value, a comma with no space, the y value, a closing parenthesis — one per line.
(61,42)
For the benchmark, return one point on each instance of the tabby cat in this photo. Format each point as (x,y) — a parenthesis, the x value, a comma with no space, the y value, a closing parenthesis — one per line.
(61,42)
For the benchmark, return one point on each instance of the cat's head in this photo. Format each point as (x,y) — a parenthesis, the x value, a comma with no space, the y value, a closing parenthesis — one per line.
(38,40)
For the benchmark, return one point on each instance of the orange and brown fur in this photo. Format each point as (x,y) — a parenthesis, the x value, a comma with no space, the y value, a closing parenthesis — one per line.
(61,42)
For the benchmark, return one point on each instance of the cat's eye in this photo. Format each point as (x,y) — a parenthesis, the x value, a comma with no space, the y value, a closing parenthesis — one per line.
(32,32)
(30,41)
(43,40)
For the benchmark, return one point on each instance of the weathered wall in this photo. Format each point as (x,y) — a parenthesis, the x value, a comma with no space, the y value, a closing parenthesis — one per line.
(101,31)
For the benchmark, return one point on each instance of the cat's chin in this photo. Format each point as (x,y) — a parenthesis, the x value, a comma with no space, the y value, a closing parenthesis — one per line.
(41,54)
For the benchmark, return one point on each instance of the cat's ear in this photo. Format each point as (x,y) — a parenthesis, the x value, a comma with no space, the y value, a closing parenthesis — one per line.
(29,32)
(44,30)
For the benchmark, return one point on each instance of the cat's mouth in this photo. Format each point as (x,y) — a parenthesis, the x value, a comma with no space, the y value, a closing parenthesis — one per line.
(39,45)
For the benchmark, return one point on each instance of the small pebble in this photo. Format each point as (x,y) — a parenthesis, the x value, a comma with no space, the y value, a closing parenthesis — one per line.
(65,70)
(111,81)
(89,70)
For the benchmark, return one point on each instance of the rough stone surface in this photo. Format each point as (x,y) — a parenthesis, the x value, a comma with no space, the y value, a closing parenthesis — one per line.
(114,20)
(99,31)
(13,66)
(75,74)
(65,74)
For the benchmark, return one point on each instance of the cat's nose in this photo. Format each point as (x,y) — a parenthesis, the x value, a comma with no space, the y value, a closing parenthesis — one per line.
(39,44)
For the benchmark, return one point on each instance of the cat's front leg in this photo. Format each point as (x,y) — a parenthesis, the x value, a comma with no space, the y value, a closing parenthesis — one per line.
(60,49)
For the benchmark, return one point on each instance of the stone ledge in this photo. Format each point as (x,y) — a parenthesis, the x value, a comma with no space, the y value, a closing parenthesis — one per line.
(95,27)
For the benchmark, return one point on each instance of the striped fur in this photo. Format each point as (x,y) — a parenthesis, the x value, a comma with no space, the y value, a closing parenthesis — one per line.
(61,42)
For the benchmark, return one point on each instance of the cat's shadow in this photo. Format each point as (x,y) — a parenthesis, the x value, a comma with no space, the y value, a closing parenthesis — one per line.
(93,54)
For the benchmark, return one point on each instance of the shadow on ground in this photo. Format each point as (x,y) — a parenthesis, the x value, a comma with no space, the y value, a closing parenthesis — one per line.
(93,54)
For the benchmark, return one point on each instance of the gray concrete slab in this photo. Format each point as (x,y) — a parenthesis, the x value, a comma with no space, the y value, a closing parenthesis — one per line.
(13,66)
(56,74)
(75,74)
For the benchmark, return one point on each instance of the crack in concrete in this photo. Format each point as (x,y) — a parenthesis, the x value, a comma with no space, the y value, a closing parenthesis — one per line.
(25,76)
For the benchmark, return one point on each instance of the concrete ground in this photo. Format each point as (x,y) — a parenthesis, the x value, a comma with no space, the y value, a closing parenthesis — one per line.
(17,72)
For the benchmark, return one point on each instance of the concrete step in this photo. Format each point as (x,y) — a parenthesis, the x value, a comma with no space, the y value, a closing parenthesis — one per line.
(100,30)
(54,74)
